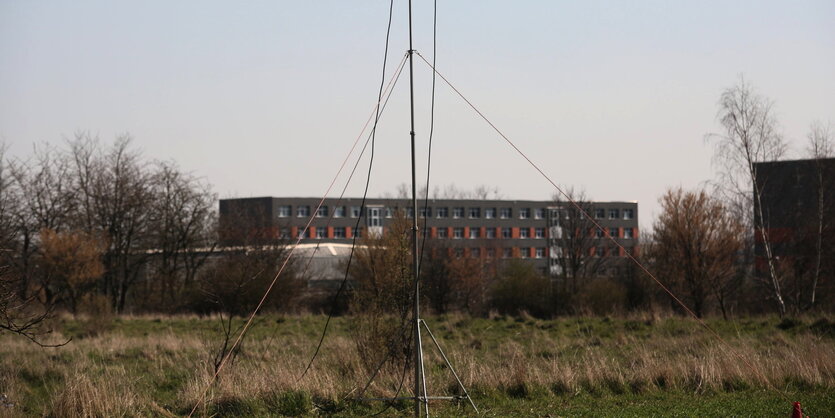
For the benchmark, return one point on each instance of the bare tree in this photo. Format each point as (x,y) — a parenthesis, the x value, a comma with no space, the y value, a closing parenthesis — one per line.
(70,266)
(44,201)
(749,136)
(233,282)
(575,237)
(382,291)
(182,233)
(113,187)
(820,147)
(696,246)
(9,199)
(19,312)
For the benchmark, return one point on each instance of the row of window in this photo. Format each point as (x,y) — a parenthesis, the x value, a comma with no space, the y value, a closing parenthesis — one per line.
(321,233)
(522,252)
(303,211)
(538,233)
(475,233)
(613,232)
(458,233)
(525,252)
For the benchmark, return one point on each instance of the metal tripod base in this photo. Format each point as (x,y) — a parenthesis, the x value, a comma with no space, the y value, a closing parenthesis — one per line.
(423,397)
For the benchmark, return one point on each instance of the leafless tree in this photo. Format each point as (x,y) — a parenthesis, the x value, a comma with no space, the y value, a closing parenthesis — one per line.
(44,200)
(19,311)
(382,291)
(181,232)
(696,246)
(113,187)
(750,135)
(233,282)
(574,234)
(820,147)
(9,200)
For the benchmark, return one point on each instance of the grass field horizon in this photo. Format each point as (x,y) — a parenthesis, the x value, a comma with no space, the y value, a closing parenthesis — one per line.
(512,366)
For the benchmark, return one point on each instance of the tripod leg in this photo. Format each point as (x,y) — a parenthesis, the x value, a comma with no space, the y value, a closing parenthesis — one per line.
(422,369)
(452,369)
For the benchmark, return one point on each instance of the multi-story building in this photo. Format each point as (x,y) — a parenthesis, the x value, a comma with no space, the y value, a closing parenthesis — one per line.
(487,229)
(798,205)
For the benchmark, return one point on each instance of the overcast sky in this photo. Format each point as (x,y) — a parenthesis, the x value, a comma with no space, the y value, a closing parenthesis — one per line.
(265,98)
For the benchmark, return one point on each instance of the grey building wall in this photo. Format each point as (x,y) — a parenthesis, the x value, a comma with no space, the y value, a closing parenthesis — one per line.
(505,228)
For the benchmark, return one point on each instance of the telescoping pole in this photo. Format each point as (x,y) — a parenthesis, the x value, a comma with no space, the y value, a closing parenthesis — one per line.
(420,392)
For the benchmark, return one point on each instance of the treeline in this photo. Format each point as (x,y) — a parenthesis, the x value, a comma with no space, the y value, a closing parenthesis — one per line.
(81,225)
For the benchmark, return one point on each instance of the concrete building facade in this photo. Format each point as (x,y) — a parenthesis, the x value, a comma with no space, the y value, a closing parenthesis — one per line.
(488,229)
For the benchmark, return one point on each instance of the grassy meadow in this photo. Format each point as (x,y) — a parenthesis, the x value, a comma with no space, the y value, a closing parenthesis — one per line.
(641,366)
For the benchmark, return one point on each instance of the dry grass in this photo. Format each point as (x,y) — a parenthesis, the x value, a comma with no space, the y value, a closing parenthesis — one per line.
(146,366)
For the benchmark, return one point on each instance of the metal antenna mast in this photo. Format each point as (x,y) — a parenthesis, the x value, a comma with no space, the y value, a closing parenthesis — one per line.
(420,379)
(420,393)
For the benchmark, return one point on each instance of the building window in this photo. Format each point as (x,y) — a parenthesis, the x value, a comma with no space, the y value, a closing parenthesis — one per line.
(614,213)
(458,232)
(322,212)
(339,211)
(475,252)
(507,252)
(475,213)
(599,251)
(339,232)
(524,233)
(302,233)
(410,213)
(539,233)
(285,233)
(613,232)
(459,252)
(373,216)
(284,211)
(358,232)
(457,213)
(442,212)
(506,233)
(389,212)
(505,213)
(356,211)
(539,213)
(475,232)
(321,232)
(627,233)
(524,213)
(614,252)
(489,213)
(490,232)
(599,233)
(491,253)
(425,212)
(599,213)
(303,211)
(628,214)
(540,252)
(442,232)
(524,252)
